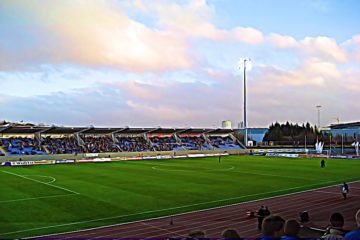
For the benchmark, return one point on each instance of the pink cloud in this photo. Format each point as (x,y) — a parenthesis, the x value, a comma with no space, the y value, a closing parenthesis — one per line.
(97,34)
(282,41)
(248,35)
(313,72)
(352,47)
(324,47)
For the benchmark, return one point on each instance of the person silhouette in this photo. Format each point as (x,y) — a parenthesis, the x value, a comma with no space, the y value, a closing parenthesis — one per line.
(344,190)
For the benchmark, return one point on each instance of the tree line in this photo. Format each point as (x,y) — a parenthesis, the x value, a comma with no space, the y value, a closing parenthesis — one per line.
(289,134)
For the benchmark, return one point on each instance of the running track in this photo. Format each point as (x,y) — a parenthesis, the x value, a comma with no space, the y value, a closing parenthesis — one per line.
(319,203)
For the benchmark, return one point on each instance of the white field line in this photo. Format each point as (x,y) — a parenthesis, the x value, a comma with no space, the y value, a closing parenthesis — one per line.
(173,208)
(34,180)
(184,170)
(155,167)
(35,198)
(271,175)
(43,176)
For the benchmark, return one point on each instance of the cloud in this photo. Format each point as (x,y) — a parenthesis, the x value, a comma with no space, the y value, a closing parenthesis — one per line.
(324,47)
(313,72)
(248,35)
(192,19)
(319,47)
(145,100)
(95,34)
(352,47)
(164,63)
(282,41)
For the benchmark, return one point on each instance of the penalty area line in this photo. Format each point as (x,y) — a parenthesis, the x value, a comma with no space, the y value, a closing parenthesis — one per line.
(34,180)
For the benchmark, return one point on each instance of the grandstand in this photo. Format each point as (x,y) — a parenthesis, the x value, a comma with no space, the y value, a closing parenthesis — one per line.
(34,140)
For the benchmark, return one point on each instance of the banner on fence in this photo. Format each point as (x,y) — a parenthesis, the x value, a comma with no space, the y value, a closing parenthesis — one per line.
(64,161)
(93,160)
(288,155)
(22,163)
(41,162)
(102,159)
(91,154)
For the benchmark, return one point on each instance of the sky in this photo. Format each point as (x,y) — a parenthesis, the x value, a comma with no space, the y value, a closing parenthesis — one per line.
(143,63)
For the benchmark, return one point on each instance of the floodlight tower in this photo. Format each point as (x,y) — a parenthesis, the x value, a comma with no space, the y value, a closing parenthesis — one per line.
(245,63)
(318,110)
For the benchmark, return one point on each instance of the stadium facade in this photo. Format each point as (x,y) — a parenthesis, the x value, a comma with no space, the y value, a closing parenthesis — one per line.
(344,129)
(36,140)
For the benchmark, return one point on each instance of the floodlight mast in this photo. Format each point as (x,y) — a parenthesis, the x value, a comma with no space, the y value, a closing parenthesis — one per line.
(244,62)
(318,110)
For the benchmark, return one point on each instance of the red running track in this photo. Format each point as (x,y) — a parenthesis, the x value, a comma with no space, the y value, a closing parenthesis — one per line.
(320,203)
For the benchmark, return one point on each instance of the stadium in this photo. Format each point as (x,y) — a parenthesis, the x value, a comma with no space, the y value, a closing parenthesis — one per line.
(179,119)
(160,182)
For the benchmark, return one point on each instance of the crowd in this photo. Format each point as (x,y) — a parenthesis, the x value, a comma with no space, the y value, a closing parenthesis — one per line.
(221,142)
(275,227)
(64,145)
(133,144)
(21,146)
(193,143)
(164,143)
(100,144)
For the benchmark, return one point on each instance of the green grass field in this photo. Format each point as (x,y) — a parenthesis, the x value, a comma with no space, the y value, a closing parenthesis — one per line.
(47,199)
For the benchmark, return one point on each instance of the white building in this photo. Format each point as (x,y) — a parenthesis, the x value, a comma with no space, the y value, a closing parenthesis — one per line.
(226,124)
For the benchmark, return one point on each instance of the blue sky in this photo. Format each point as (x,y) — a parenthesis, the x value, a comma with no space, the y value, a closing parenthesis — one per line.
(174,63)
(338,19)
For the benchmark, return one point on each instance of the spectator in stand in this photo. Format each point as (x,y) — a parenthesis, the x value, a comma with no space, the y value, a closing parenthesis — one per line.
(279,223)
(356,233)
(196,235)
(268,228)
(335,230)
(292,229)
(230,234)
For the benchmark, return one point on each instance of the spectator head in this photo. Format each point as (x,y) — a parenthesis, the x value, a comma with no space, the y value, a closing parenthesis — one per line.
(198,234)
(279,223)
(337,220)
(230,234)
(357,216)
(268,227)
(292,228)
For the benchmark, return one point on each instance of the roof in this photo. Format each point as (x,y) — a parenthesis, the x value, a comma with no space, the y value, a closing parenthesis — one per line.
(20,130)
(62,130)
(101,130)
(104,130)
(345,125)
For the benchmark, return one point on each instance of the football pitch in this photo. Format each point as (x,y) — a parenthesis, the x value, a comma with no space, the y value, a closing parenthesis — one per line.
(47,199)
